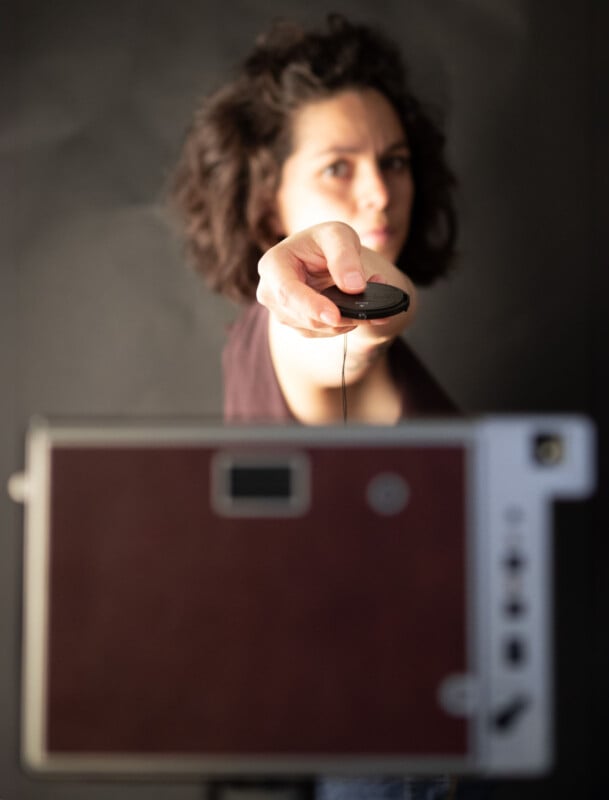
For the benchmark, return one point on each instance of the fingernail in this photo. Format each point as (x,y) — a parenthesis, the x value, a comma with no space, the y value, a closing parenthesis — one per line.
(354,280)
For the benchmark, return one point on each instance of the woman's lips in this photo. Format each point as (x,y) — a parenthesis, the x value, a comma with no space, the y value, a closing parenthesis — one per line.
(376,237)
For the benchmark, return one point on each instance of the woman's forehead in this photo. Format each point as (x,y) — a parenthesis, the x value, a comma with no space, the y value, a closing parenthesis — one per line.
(350,120)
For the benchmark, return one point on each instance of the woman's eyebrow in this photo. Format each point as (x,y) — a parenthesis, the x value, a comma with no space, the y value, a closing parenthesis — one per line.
(400,144)
(337,150)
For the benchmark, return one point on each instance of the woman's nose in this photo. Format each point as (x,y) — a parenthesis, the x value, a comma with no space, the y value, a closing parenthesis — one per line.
(372,191)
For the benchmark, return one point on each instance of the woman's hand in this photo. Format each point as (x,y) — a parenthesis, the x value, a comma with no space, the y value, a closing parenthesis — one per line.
(295,271)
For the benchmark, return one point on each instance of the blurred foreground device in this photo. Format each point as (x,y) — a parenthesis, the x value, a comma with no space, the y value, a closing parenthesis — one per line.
(292,600)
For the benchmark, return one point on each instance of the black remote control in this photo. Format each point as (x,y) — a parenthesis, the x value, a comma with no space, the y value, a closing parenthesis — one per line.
(376,301)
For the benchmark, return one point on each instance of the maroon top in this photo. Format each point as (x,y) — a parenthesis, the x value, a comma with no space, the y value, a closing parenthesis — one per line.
(252,392)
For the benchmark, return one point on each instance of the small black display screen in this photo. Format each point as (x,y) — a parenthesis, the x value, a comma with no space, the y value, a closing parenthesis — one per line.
(260,482)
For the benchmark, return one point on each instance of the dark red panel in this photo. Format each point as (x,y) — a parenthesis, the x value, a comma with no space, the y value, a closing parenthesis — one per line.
(173,630)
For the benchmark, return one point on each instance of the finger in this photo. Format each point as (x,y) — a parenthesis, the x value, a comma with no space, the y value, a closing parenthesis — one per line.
(284,289)
(341,248)
(296,304)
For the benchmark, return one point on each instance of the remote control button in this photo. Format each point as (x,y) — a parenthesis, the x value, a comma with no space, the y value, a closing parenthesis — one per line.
(505,717)
(514,651)
(514,607)
(514,561)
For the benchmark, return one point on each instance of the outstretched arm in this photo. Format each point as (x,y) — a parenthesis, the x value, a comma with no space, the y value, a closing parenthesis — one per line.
(305,328)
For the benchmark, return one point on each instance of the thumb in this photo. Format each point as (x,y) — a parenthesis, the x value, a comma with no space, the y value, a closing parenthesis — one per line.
(342,250)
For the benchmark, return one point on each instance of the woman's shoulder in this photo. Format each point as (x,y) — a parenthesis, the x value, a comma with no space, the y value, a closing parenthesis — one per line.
(248,330)
(251,390)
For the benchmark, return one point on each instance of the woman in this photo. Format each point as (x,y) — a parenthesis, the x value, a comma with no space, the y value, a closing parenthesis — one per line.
(317,166)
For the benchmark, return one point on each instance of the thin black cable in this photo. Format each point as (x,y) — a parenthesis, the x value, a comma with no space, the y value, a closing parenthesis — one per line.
(343,385)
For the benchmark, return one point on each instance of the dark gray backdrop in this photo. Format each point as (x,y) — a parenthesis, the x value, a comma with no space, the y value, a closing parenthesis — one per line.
(99,316)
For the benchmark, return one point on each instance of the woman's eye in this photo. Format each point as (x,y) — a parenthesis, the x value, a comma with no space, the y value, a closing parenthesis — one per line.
(396,163)
(338,169)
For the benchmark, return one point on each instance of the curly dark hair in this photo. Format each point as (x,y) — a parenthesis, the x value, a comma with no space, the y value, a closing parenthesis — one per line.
(225,183)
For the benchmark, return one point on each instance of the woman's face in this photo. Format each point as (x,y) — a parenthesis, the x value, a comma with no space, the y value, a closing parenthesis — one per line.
(350,163)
